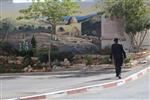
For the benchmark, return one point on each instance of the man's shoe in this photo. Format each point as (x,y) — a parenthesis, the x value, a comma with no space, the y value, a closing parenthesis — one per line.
(119,77)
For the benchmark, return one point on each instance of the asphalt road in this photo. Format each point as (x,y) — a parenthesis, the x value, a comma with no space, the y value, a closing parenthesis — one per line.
(19,86)
(135,90)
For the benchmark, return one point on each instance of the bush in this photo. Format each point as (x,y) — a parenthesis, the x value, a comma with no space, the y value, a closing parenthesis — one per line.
(26,53)
(56,63)
(27,61)
(33,42)
(10,68)
(105,60)
(15,68)
(43,58)
(88,60)
(55,55)
(2,68)
(61,56)
(127,60)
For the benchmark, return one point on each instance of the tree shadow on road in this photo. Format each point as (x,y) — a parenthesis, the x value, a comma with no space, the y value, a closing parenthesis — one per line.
(91,73)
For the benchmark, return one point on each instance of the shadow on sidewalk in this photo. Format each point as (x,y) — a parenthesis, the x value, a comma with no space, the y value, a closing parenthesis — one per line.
(91,73)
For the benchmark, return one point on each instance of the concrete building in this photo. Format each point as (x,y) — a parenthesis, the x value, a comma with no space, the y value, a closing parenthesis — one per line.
(113,28)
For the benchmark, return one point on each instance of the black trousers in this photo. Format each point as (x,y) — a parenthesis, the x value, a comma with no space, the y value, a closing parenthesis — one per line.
(118,70)
(118,66)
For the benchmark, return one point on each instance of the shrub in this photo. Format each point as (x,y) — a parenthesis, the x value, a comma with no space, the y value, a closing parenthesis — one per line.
(10,68)
(2,68)
(61,55)
(127,60)
(33,42)
(55,55)
(27,61)
(105,60)
(26,53)
(43,57)
(56,63)
(88,60)
(15,68)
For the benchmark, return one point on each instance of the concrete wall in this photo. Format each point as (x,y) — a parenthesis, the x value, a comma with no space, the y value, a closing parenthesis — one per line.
(113,28)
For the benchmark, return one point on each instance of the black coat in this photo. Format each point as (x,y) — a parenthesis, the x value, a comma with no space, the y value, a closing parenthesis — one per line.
(118,54)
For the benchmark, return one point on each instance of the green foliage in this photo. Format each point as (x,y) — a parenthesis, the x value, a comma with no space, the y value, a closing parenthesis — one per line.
(27,61)
(2,68)
(105,60)
(43,57)
(56,63)
(25,50)
(55,55)
(15,68)
(134,13)
(127,60)
(10,68)
(50,11)
(33,43)
(27,53)
(61,56)
(24,46)
(88,60)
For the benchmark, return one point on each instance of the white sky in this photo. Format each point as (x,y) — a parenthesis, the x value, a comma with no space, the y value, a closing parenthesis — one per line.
(22,1)
(29,1)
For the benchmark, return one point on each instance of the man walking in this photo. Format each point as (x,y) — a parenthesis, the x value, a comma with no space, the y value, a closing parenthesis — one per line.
(118,55)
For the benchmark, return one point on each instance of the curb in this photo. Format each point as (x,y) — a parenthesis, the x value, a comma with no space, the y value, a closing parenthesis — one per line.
(91,88)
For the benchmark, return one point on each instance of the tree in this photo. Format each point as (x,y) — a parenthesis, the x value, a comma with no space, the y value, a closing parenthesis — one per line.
(33,42)
(136,16)
(50,11)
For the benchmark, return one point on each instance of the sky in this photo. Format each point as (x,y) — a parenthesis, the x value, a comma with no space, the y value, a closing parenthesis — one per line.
(28,1)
